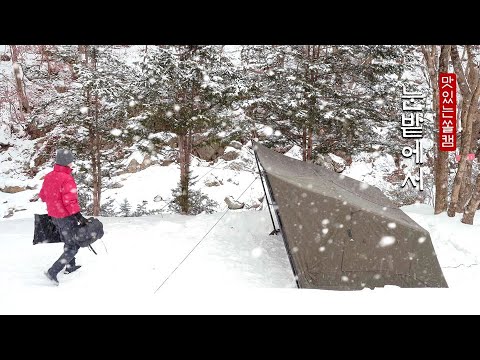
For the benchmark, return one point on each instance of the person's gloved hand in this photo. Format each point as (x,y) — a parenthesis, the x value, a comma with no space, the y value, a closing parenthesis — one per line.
(81,220)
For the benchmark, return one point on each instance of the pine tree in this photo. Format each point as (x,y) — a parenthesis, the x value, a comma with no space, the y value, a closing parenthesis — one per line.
(125,208)
(187,90)
(191,201)
(107,208)
(95,103)
(141,209)
(325,98)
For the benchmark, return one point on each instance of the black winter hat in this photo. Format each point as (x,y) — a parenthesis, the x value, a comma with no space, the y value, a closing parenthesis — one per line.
(64,157)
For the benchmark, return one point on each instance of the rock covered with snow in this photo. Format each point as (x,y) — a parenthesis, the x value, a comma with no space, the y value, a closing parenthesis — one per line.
(338,163)
(236,145)
(12,189)
(209,151)
(212,180)
(137,161)
(230,153)
(233,204)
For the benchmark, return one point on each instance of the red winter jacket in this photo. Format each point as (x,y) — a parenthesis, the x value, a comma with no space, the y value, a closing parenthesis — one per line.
(59,191)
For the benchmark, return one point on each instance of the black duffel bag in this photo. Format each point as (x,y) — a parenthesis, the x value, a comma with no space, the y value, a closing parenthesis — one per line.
(45,230)
(89,233)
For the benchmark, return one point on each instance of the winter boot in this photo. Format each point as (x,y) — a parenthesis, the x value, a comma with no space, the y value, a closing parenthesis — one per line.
(52,278)
(71,268)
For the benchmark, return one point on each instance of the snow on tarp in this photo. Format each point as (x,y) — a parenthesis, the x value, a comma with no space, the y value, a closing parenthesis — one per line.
(343,234)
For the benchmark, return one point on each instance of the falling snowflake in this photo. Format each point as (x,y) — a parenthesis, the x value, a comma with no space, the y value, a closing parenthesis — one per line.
(300,226)
(324,231)
(116,132)
(176,107)
(348,217)
(325,222)
(344,278)
(321,248)
(169,113)
(386,241)
(84,109)
(267,130)
(377,276)
(295,249)
(392,225)
(422,239)
(278,133)
(131,103)
(257,252)
(364,186)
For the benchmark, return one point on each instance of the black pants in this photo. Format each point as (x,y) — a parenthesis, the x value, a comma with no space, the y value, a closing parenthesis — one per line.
(66,228)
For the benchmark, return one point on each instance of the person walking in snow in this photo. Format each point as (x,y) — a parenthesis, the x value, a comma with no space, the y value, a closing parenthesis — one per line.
(59,192)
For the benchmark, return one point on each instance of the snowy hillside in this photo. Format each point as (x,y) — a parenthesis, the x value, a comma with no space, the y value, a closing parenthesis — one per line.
(154,185)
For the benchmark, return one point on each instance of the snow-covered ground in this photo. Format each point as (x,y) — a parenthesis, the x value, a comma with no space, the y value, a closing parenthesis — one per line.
(236,268)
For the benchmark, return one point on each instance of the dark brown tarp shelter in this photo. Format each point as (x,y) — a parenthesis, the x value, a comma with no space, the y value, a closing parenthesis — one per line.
(343,234)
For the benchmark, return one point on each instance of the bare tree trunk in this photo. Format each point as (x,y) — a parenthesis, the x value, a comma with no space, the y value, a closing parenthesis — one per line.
(183,175)
(97,179)
(189,151)
(470,93)
(84,50)
(93,160)
(441,158)
(466,189)
(310,140)
(304,144)
(462,168)
(472,205)
(95,185)
(21,94)
(45,56)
